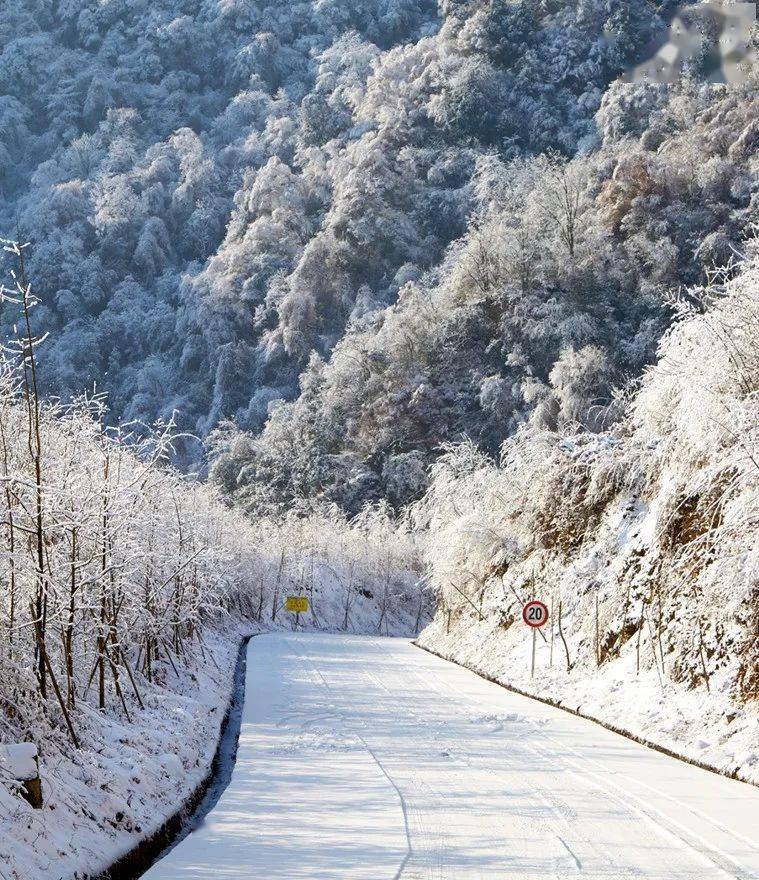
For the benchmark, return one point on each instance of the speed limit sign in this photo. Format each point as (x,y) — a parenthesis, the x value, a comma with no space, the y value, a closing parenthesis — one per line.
(535,614)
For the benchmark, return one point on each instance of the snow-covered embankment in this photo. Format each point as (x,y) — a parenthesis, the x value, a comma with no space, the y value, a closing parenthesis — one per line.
(644,542)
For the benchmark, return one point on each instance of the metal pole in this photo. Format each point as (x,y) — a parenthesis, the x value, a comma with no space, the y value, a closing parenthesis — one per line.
(534,642)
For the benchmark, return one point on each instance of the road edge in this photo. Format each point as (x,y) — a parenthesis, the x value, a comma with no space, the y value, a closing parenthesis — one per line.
(146,852)
(557,704)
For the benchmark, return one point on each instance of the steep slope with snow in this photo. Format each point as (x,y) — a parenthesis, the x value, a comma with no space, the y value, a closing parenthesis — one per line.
(642,541)
(343,220)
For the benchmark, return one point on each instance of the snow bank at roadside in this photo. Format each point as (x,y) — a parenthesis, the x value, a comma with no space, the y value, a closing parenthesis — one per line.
(128,777)
(709,729)
(643,541)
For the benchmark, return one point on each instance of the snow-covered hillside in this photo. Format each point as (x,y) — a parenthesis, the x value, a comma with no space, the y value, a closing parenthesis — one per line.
(356,229)
(643,541)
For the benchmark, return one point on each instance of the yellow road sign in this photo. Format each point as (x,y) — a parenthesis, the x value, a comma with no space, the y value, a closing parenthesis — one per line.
(296,604)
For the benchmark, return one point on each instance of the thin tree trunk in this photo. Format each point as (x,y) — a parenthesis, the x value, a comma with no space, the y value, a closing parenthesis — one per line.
(68,640)
(34,439)
(564,641)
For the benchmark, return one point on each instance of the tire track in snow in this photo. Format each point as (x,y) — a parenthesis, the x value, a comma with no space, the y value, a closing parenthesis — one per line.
(657,820)
(444,795)
(549,797)
(540,792)
(662,825)
(362,740)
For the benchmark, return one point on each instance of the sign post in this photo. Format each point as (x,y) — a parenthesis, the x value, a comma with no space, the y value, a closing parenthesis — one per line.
(296,605)
(535,615)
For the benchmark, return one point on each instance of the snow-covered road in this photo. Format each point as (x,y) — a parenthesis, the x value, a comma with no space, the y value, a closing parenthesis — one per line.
(366,759)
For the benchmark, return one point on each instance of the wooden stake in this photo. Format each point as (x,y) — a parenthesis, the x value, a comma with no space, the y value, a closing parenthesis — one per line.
(566,647)
(598,646)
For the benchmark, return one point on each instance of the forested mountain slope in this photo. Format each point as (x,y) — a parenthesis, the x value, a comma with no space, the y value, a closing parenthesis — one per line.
(363,208)
(558,291)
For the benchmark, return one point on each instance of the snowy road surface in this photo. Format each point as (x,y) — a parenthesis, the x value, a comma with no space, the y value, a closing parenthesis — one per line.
(366,759)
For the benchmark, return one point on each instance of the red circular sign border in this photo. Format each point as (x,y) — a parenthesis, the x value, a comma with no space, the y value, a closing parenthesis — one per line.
(545,610)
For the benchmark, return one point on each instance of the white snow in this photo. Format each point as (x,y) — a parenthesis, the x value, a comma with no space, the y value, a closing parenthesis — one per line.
(18,761)
(641,540)
(368,758)
(130,777)
(710,727)
(126,780)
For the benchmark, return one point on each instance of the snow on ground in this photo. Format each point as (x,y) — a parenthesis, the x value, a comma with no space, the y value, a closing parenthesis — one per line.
(616,610)
(641,685)
(642,539)
(126,780)
(363,758)
(18,761)
(709,728)
(129,778)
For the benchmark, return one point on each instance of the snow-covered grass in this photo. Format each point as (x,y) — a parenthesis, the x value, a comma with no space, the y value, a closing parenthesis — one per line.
(642,540)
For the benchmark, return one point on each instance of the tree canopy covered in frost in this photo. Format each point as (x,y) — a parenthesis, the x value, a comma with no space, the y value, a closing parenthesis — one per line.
(356,230)
(556,291)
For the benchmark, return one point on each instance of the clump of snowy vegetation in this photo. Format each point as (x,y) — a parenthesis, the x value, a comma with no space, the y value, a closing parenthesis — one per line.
(641,539)
(125,588)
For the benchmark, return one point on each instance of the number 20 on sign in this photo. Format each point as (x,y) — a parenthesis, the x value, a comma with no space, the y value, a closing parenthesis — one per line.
(535,615)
